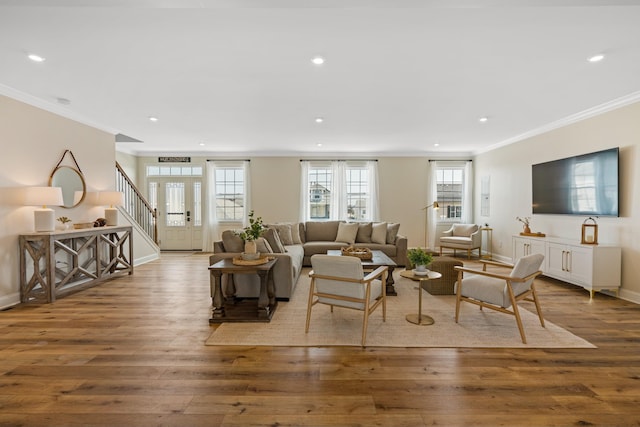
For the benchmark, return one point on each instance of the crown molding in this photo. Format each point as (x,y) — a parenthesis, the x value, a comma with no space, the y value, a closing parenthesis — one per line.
(52,108)
(574,118)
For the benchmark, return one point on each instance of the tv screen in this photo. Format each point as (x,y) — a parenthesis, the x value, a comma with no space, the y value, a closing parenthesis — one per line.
(581,185)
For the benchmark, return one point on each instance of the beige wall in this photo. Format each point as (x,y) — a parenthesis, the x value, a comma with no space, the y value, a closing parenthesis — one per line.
(509,169)
(275,189)
(33,140)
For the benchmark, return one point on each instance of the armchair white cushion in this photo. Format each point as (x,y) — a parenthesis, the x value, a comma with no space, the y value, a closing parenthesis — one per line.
(500,291)
(462,236)
(340,281)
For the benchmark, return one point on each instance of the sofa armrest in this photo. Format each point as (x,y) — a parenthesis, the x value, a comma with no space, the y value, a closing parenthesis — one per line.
(401,250)
(447,233)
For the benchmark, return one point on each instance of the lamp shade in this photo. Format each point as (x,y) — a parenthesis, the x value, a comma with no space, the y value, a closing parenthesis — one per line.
(43,196)
(111,198)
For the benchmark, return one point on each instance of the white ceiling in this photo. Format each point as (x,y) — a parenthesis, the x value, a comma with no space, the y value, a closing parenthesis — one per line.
(400,76)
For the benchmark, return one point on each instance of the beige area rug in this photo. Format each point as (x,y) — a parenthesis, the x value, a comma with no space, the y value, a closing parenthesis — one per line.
(343,327)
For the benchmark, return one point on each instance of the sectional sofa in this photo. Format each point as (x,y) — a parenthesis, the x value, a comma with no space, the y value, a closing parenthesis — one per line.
(293,244)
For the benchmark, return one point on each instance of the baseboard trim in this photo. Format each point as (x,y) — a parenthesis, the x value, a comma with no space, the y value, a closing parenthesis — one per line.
(9,301)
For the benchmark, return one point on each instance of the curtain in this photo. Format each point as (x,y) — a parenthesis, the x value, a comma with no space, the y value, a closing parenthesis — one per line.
(467,194)
(374,197)
(338,191)
(211,226)
(429,215)
(305,215)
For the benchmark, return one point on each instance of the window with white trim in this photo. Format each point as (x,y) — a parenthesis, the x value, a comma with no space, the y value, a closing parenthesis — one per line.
(340,190)
(230,193)
(450,182)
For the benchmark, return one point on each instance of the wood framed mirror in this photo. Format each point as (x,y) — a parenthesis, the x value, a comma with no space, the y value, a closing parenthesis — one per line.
(71,181)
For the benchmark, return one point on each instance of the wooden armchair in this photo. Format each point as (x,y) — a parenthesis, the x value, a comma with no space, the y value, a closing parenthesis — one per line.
(340,281)
(498,291)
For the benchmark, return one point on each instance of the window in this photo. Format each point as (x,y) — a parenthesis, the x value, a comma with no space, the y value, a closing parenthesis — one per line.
(451,185)
(345,190)
(230,189)
(449,192)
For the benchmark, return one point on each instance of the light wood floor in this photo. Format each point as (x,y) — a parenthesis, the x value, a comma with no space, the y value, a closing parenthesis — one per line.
(130,352)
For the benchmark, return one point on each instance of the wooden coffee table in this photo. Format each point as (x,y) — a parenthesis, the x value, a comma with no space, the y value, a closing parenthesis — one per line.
(420,319)
(379,259)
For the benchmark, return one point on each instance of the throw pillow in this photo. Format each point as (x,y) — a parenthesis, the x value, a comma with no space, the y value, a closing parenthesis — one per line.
(379,233)
(232,242)
(364,232)
(271,235)
(392,232)
(295,232)
(347,232)
(263,246)
(284,232)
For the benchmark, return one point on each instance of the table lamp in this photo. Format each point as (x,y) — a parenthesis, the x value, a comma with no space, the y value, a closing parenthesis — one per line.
(112,199)
(44,218)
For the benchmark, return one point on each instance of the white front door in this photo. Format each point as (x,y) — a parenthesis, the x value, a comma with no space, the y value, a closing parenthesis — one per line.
(180,213)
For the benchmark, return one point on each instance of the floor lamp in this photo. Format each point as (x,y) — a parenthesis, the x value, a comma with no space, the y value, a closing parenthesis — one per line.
(435,206)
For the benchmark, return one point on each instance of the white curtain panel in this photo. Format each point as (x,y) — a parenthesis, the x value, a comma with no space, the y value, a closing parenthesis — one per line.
(467,194)
(305,215)
(432,195)
(374,208)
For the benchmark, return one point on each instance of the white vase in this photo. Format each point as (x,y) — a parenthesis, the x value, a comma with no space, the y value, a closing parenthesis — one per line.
(250,247)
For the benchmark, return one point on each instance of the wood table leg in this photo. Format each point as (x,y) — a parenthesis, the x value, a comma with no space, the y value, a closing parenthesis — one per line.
(264,309)
(216,297)
(391,290)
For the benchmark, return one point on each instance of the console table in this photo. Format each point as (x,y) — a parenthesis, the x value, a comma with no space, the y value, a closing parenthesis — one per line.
(54,264)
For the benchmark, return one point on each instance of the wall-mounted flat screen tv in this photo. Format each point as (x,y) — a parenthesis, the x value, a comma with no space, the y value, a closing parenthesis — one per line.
(580,185)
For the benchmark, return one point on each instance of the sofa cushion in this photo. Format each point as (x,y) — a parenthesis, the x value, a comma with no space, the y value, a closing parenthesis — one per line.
(347,232)
(464,230)
(364,232)
(321,231)
(392,232)
(271,235)
(284,232)
(232,242)
(263,246)
(379,233)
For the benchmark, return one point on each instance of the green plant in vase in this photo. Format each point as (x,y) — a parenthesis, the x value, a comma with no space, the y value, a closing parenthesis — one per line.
(250,233)
(419,258)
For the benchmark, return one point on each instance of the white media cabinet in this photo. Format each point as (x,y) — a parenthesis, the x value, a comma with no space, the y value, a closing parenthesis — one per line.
(594,267)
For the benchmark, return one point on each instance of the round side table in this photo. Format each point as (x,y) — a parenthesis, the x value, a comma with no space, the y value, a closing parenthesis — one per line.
(420,319)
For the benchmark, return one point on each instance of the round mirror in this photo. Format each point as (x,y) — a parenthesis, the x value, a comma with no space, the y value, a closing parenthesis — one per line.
(72,184)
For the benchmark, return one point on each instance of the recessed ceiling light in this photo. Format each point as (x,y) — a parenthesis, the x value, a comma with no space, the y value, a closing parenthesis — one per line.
(436,145)
(596,58)
(153,119)
(319,120)
(483,119)
(319,144)
(36,58)
(202,144)
(317,60)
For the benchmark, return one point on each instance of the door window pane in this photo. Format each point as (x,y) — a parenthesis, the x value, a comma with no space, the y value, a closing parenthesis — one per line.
(174,200)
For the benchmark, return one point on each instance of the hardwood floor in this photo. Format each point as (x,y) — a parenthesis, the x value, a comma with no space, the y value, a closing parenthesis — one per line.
(130,353)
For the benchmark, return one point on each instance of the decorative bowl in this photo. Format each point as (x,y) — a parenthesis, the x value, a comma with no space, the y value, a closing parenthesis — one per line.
(421,272)
(250,257)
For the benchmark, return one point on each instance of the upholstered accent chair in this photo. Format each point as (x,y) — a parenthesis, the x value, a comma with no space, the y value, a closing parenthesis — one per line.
(462,236)
(340,281)
(499,291)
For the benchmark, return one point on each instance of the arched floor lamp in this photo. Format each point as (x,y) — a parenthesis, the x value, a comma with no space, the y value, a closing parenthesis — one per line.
(435,206)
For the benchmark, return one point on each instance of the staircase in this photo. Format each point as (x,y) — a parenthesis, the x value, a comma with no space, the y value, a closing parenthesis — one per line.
(136,205)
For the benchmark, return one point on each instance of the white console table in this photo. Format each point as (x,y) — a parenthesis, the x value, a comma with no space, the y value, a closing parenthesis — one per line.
(593,267)
(54,264)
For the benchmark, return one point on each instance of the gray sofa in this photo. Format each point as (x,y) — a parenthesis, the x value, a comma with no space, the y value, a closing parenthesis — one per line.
(297,242)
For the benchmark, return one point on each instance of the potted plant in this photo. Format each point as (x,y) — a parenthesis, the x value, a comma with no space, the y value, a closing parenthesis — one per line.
(65,222)
(420,259)
(250,233)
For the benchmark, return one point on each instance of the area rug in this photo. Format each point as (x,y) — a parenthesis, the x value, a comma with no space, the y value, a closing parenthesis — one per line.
(477,328)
